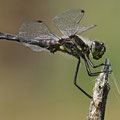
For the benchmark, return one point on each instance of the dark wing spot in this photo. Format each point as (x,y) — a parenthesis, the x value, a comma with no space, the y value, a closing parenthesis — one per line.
(82,11)
(39,21)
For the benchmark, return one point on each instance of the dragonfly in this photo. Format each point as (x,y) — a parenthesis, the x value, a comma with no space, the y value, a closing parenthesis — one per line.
(37,36)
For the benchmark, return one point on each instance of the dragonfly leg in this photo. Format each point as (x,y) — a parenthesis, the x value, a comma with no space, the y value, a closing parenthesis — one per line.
(91,63)
(89,71)
(95,66)
(75,81)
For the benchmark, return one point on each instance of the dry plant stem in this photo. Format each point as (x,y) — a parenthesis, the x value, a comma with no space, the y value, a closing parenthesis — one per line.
(100,93)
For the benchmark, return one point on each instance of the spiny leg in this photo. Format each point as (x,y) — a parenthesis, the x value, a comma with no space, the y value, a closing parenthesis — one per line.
(89,71)
(75,80)
(91,63)
(95,66)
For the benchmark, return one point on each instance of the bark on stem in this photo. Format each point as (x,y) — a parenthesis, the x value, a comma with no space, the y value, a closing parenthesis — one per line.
(100,93)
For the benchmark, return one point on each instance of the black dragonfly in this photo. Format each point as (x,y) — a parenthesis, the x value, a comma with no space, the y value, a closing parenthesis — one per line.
(37,36)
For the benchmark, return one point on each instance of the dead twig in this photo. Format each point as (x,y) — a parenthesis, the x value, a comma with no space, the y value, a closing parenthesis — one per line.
(100,93)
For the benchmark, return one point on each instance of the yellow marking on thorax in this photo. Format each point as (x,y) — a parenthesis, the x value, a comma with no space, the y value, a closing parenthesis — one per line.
(61,47)
(65,48)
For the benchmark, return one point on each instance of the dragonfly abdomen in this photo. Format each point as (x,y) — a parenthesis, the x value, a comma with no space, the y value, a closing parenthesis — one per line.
(9,37)
(48,42)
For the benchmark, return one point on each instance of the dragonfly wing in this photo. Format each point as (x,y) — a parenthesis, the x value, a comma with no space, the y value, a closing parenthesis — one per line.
(36,30)
(85,28)
(67,22)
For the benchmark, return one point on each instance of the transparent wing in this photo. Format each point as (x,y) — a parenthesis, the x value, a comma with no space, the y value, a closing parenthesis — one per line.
(67,22)
(36,30)
(85,28)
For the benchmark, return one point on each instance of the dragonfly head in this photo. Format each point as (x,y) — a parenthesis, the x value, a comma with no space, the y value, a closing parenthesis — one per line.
(97,49)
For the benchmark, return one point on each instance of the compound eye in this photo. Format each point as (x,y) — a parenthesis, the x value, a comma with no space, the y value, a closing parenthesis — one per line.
(97,49)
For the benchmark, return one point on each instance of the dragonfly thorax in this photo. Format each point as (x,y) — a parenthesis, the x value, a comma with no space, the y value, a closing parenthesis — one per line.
(74,46)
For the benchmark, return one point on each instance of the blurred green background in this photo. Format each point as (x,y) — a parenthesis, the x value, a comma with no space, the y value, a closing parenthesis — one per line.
(39,85)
